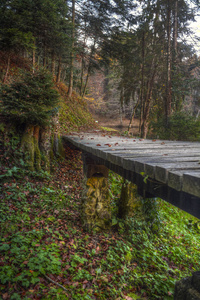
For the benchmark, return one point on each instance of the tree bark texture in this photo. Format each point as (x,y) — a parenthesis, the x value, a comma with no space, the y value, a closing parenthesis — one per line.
(168,100)
(70,89)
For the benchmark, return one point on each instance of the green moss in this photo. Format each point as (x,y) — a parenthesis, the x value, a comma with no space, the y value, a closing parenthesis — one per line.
(108,129)
(37,155)
(27,146)
(30,148)
(47,163)
(2,127)
(51,155)
(61,150)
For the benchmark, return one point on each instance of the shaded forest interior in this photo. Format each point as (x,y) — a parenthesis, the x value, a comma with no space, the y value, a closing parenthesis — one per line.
(73,66)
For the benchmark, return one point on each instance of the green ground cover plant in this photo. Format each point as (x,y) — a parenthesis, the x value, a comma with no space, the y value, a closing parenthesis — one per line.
(46,254)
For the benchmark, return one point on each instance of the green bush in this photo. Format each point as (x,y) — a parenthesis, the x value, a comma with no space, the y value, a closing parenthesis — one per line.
(181,126)
(31,99)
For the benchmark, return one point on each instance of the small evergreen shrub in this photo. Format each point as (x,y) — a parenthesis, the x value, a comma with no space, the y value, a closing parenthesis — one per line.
(181,126)
(31,99)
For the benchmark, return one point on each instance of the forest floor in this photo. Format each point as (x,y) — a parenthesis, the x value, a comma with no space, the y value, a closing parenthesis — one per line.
(114,122)
(45,253)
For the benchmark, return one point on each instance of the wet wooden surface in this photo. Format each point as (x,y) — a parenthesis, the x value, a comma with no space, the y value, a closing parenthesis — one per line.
(172,168)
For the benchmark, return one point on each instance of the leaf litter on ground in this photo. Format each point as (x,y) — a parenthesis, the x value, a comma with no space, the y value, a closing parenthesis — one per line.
(46,254)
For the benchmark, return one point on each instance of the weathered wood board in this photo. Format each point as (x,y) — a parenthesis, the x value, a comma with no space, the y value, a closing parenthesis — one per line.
(172,168)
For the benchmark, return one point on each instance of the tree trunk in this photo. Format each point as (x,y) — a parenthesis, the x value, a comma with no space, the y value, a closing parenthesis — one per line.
(46,147)
(37,155)
(82,72)
(86,82)
(133,114)
(142,81)
(89,68)
(27,147)
(59,70)
(34,58)
(178,98)
(169,58)
(45,57)
(147,104)
(121,106)
(30,147)
(53,63)
(105,86)
(175,32)
(7,69)
(72,52)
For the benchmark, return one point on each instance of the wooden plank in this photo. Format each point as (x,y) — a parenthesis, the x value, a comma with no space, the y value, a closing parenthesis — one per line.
(162,170)
(191,182)
(154,168)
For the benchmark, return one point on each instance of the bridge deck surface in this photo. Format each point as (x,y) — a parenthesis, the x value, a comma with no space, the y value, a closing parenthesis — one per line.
(172,167)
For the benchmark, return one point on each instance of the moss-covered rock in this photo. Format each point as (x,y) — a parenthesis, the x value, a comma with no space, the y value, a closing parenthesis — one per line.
(96,211)
(129,201)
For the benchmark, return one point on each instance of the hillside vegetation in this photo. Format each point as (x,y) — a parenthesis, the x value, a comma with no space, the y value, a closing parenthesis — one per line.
(46,253)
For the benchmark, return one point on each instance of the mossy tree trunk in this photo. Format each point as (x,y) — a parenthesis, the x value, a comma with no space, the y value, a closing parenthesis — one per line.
(38,146)
(46,146)
(28,146)
(37,154)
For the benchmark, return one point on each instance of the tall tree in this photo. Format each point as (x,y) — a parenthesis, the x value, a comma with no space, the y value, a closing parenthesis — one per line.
(72,51)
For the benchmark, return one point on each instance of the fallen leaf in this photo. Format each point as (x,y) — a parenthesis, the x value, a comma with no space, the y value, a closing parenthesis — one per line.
(85,281)
(98,145)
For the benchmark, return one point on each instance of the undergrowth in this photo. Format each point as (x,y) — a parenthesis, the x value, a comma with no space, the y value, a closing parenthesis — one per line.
(73,112)
(43,243)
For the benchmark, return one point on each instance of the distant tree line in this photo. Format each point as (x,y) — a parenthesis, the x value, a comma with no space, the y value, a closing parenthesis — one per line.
(141,44)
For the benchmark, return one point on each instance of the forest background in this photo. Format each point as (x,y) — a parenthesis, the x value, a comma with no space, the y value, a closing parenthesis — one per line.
(127,59)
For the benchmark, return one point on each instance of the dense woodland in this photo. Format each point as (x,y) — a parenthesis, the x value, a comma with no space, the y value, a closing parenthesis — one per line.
(129,57)
(141,48)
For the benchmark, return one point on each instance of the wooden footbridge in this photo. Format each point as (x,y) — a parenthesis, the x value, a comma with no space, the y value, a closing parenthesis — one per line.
(166,169)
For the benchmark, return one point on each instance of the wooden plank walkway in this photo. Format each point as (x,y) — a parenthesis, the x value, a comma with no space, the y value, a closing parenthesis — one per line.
(172,168)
